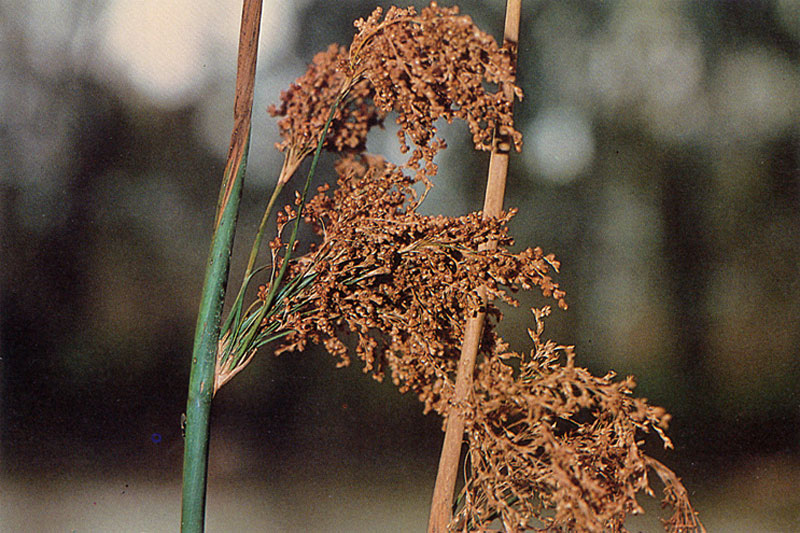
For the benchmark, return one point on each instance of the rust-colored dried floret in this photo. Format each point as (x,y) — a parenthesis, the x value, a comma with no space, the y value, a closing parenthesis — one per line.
(399,282)
(305,107)
(555,448)
(433,65)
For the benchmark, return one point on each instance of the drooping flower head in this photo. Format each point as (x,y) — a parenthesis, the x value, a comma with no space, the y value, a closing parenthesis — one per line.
(305,107)
(432,65)
(422,66)
(401,282)
(551,447)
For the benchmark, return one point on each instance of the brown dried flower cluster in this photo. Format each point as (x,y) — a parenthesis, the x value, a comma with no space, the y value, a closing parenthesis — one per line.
(434,65)
(305,107)
(554,430)
(401,282)
(551,447)
(423,66)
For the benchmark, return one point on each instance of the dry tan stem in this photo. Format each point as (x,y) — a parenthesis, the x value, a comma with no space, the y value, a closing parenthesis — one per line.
(444,489)
(243,102)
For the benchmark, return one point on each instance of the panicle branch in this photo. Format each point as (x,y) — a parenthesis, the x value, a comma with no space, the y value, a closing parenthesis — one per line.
(553,447)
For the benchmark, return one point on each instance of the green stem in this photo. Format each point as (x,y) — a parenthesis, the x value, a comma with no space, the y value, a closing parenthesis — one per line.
(257,242)
(201,380)
(204,353)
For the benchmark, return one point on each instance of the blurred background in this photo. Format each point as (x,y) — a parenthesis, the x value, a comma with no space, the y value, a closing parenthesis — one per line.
(660,165)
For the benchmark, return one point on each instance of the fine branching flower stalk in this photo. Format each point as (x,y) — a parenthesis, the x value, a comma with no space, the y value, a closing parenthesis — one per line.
(550,446)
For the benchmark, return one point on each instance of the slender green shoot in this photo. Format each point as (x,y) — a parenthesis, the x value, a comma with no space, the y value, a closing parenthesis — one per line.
(203,366)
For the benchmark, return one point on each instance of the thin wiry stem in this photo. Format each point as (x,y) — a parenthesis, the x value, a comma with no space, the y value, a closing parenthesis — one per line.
(311,171)
(243,341)
(232,321)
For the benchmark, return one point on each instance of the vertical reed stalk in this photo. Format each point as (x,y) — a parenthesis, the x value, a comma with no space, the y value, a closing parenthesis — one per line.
(201,380)
(444,489)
